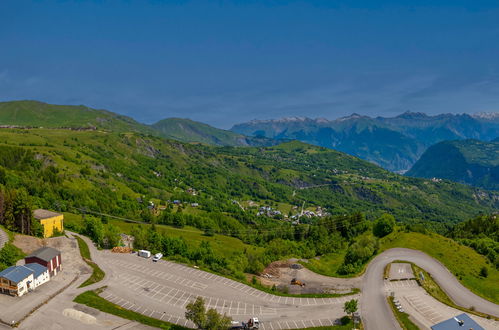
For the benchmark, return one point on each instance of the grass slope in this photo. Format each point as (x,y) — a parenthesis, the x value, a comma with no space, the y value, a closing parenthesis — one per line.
(187,130)
(97,273)
(39,114)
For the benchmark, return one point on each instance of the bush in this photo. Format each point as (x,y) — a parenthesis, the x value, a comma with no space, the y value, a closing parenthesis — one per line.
(384,225)
(484,272)
(345,320)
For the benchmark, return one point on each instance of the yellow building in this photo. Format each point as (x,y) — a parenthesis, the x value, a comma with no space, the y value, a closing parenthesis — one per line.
(50,221)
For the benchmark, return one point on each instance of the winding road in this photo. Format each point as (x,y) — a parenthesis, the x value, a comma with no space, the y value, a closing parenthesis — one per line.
(376,314)
(375,311)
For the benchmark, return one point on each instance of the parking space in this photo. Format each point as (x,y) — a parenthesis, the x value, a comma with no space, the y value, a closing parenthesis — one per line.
(401,271)
(163,289)
(401,284)
(147,312)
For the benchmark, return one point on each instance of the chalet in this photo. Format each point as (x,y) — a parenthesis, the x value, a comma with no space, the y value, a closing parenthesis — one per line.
(16,280)
(48,257)
(50,221)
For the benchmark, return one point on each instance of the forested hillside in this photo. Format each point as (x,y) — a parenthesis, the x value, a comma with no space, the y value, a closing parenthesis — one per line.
(119,173)
(482,234)
(468,161)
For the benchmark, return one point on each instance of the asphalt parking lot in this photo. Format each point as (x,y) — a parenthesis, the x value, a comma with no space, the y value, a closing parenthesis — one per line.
(163,289)
(424,309)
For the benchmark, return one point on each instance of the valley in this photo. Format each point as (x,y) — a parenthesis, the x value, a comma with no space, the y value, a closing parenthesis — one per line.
(227,212)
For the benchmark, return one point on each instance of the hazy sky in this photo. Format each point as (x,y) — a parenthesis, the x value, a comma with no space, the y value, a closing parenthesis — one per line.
(224,62)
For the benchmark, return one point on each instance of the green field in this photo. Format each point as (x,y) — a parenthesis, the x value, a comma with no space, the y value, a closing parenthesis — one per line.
(327,264)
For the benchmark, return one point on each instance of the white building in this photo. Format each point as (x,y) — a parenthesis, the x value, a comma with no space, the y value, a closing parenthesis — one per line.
(16,280)
(40,274)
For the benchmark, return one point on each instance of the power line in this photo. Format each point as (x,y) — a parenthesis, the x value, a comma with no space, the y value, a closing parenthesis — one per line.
(332,226)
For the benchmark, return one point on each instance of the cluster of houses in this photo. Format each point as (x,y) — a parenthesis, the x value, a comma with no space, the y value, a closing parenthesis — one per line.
(268,211)
(274,213)
(39,267)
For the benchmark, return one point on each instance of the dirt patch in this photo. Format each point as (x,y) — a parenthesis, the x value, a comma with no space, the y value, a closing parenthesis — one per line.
(281,273)
(29,244)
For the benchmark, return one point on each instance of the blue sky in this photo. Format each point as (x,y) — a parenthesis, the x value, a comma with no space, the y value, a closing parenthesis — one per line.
(224,62)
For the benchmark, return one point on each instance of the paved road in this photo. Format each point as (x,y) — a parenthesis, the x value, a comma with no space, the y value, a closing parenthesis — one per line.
(4,238)
(129,278)
(376,314)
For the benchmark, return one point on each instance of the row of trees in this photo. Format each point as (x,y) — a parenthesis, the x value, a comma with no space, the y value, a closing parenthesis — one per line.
(16,212)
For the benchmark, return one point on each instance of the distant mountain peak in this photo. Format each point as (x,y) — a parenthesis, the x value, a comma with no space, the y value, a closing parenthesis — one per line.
(353,116)
(486,115)
(280,120)
(412,115)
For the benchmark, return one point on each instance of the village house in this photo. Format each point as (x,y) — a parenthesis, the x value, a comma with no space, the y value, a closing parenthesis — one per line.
(50,221)
(47,257)
(16,280)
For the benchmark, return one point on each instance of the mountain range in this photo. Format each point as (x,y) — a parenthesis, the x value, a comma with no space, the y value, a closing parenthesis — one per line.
(394,143)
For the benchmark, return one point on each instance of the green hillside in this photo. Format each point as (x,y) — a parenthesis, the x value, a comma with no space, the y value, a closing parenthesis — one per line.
(468,161)
(39,114)
(108,171)
(187,130)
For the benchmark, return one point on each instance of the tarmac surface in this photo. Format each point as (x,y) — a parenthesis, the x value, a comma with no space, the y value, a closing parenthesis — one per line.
(401,271)
(162,290)
(376,313)
(422,308)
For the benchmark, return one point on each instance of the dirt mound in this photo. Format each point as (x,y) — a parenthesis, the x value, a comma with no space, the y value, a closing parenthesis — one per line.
(273,269)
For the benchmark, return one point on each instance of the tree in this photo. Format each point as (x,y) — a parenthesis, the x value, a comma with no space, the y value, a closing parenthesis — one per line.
(196,312)
(350,307)
(384,225)
(211,320)
(94,229)
(216,321)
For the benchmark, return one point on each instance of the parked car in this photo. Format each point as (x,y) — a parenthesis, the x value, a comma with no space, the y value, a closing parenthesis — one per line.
(157,257)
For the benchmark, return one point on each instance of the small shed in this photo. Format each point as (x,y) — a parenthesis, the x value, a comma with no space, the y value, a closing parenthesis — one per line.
(50,221)
(48,257)
(459,322)
(16,280)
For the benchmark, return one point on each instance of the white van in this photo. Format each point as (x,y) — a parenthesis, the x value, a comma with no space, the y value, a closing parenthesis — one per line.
(144,254)
(157,257)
